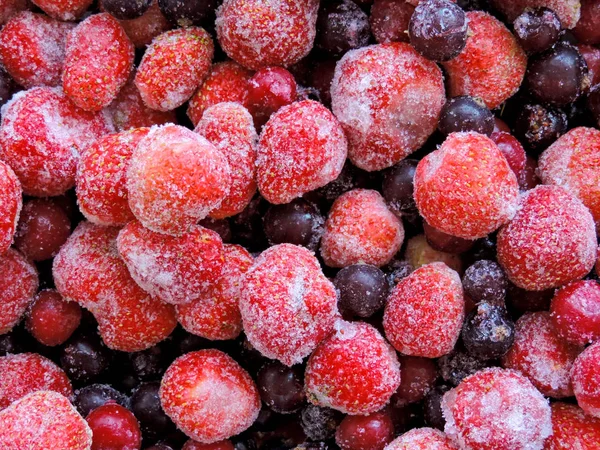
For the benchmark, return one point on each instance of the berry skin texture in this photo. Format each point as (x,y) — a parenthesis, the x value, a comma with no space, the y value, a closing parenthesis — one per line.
(370,432)
(98,62)
(567,10)
(389,20)
(173,67)
(497,408)
(18,285)
(63,9)
(466,188)
(361,229)
(301,148)
(175,178)
(176,270)
(114,428)
(491,66)
(258,34)
(422,439)
(52,320)
(229,127)
(573,161)
(11,202)
(287,304)
(354,370)
(584,376)
(572,428)
(209,396)
(270,89)
(575,312)
(550,241)
(425,312)
(43,420)
(367,95)
(540,354)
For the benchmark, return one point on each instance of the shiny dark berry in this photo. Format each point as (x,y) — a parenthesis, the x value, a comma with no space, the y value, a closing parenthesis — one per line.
(319,423)
(145,404)
(456,366)
(443,242)
(114,427)
(488,331)
(438,29)
(92,396)
(432,407)
(84,358)
(485,281)
(126,9)
(149,364)
(220,226)
(397,270)
(269,89)
(187,12)
(539,126)
(298,222)
(341,26)
(365,432)
(281,388)
(466,113)
(397,186)
(417,377)
(362,290)
(594,103)
(537,29)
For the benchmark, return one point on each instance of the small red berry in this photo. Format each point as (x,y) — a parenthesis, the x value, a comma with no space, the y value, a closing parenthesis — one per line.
(268,90)
(575,310)
(372,432)
(142,30)
(114,428)
(52,320)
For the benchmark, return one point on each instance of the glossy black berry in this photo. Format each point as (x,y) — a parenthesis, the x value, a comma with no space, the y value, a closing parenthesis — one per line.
(319,423)
(432,407)
(485,281)
(90,397)
(362,290)
(281,388)
(148,364)
(537,29)
(488,331)
(126,9)
(298,222)
(145,405)
(538,126)
(398,188)
(185,13)
(341,26)
(466,113)
(84,358)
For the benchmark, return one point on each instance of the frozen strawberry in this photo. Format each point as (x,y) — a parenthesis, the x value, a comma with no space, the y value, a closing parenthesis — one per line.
(491,66)
(216,314)
(389,20)
(18,285)
(573,161)
(258,34)
(539,353)
(512,150)
(301,148)
(9,8)
(32,47)
(270,89)
(89,270)
(209,396)
(41,136)
(98,61)
(425,311)
(173,67)
(114,427)
(25,373)
(567,10)
(572,428)
(221,445)
(229,127)
(51,320)
(354,370)
(142,30)
(360,229)
(368,96)
(497,408)
(41,421)
(466,188)
(63,9)
(175,178)
(226,82)
(419,252)
(287,304)
(422,439)
(586,384)
(11,203)
(550,241)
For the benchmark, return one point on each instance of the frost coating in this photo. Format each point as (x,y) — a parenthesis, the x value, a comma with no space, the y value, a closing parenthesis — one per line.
(422,439)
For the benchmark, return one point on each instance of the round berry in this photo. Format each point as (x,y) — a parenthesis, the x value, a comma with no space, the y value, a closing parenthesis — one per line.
(584,377)
(319,423)
(114,428)
(389,20)
(572,428)
(51,320)
(84,358)
(142,30)
(422,439)
(18,284)
(362,290)
(567,10)
(269,89)
(488,331)
(372,432)
(485,281)
(92,396)
(538,126)
(586,30)
(513,151)
(298,222)
(341,26)
(417,376)
(11,203)
(466,114)
(456,366)
(190,12)
(575,312)
(537,29)
(126,9)
(398,188)
(281,388)
(145,404)
(63,9)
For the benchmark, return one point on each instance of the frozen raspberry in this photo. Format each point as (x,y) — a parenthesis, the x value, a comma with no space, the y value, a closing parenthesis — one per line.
(173,67)
(89,270)
(567,10)
(587,30)
(98,62)
(497,408)
(367,96)
(10,205)
(221,445)
(466,188)
(226,82)
(176,270)
(361,229)
(370,432)
(175,178)
(354,370)
(142,30)
(550,241)
(575,312)
(540,354)
(216,315)
(114,427)
(491,66)
(301,148)
(25,373)
(419,253)
(389,20)
(18,285)
(287,304)
(32,47)
(258,34)
(41,136)
(209,396)
(41,421)
(572,428)
(425,311)
(270,89)
(573,161)
(229,127)
(102,177)
(63,9)
(52,320)
(584,376)
(8,8)
(422,439)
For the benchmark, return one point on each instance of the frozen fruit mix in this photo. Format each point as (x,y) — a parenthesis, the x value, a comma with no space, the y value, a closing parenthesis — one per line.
(299,224)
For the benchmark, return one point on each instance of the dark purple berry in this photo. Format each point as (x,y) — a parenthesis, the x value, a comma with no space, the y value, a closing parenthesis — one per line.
(539,126)
(466,113)
(90,397)
(341,26)
(148,364)
(488,331)
(397,270)
(362,290)
(7,86)
(312,446)
(594,103)
(281,388)
(126,9)
(432,407)
(84,358)
(485,281)
(185,13)
(145,405)
(456,366)
(537,29)
(298,222)
(12,343)
(319,423)
(397,186)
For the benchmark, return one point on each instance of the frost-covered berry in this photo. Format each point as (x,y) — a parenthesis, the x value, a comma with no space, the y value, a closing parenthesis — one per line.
(422,439)
(11,202)
(572,428)
(18,284)
(575,312)
(584,377)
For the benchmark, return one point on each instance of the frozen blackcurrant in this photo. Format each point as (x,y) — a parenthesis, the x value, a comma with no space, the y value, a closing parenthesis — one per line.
(319,423)
(466,113)
(485,281)
(488,331)
(145,404)
(456,366)
(398,186)
(91,397)
(362,290)
(298,222)
(341,26)
(187,12)
(537,29)
(432,407)
(281,388)
(126,9)
(538,126)
(84,358)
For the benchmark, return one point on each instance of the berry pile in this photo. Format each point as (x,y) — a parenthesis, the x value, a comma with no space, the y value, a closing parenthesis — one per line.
(299,224)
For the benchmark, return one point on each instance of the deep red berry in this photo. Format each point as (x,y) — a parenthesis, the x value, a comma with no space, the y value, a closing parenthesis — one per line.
(142,30)
(52,320)
(114,428)
(268,90)
(372,432)
(575,311)
(64,9)
(512,150)
(389,20)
